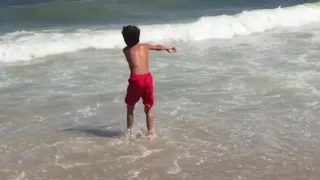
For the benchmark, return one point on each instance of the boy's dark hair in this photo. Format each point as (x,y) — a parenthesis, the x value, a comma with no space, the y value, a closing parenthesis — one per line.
(131,35)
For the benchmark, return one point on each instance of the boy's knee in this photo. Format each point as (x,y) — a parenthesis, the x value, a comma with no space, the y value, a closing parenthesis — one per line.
(130,109)
(148,110)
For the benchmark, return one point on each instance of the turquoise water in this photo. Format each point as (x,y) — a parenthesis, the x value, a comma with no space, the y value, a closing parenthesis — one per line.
(37,14)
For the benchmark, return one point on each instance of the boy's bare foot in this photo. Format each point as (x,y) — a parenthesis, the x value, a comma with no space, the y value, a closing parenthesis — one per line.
(151,135)
(128,134)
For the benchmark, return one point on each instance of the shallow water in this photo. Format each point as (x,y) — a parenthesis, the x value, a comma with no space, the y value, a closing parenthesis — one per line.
(241,108)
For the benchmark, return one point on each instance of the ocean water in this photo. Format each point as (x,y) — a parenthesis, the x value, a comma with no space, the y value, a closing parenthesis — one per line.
(239,100)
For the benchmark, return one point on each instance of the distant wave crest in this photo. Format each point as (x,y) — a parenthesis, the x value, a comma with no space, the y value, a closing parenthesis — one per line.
(28,45)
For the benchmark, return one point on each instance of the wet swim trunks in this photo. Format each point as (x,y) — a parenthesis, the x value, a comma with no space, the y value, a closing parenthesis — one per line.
(140,85)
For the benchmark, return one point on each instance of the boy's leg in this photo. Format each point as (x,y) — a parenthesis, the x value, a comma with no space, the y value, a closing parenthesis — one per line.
(149,119)
(148,101)
(130,115)
(132,97)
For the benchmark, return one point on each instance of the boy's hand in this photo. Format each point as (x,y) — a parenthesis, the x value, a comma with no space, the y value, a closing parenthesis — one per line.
(171,50)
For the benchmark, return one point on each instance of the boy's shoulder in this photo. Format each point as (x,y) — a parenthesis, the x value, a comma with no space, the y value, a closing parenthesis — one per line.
(144,44)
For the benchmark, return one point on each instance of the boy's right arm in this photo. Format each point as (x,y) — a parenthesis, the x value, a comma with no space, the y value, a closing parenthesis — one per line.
(161,48)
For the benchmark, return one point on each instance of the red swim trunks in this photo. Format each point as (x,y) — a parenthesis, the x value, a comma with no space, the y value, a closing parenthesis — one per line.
(140,85)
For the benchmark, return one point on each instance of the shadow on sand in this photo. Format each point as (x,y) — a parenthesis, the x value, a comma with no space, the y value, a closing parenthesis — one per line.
(97,131)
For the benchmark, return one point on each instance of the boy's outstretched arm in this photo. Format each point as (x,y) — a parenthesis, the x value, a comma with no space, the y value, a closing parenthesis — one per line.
(162,48)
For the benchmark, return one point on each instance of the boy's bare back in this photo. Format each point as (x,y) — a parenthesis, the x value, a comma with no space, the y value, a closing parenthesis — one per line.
(138,56)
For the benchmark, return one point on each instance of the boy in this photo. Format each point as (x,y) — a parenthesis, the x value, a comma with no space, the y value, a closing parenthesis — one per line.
(140,80)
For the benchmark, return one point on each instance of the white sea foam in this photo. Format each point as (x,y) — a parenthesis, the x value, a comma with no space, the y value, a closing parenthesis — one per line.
(25,46)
